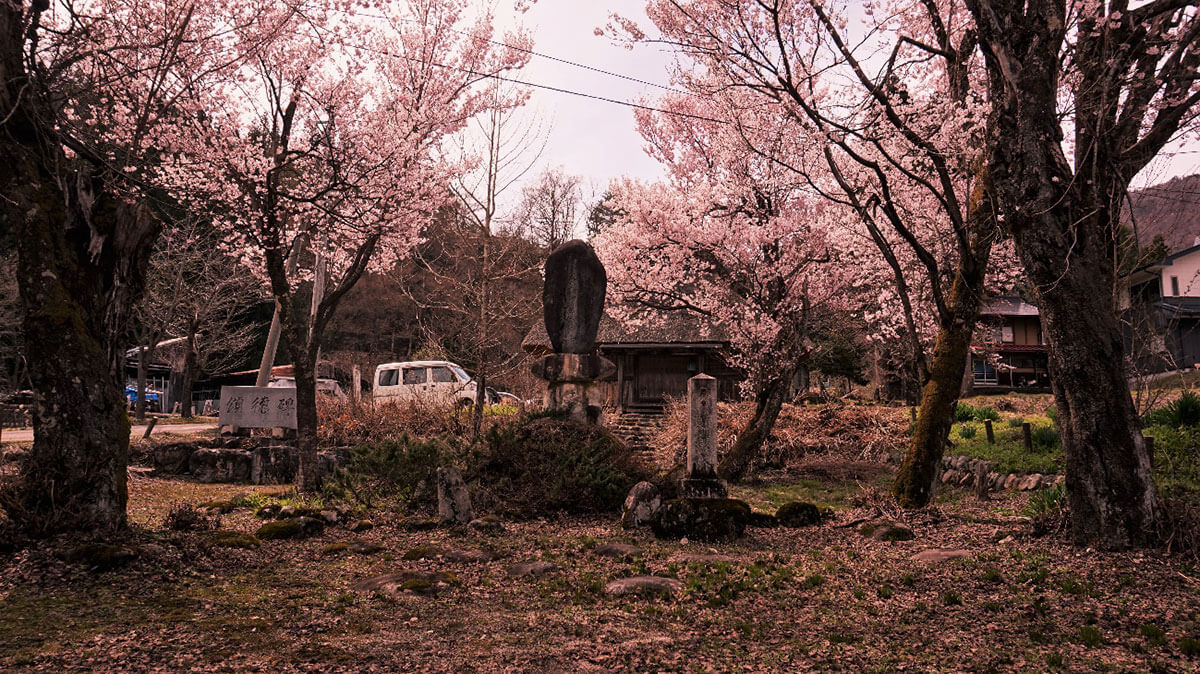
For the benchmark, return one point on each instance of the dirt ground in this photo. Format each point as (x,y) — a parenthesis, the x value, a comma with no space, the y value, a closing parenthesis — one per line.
(813,599)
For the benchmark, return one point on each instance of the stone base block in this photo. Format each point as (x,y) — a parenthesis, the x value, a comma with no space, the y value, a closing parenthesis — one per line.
(703,488)
(702,519)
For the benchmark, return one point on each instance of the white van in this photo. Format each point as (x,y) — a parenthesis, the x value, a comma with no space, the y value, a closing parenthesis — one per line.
(436,381)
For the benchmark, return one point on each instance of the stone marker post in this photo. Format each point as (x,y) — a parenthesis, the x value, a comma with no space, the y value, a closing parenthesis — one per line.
(356,385)
(702,480)
(454,501)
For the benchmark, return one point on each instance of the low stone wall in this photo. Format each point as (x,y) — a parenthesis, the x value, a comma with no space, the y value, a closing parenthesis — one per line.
(961,471)
(247,460)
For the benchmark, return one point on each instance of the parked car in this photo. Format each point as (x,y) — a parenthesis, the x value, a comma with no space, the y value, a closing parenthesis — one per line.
(325,386)
(152,397)
(435,381)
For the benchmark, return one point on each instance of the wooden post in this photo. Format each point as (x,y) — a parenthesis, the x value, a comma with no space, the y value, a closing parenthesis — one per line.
(1026,434)
(356,378)
(620,383)
(981,475)
(991,435)
(150,427)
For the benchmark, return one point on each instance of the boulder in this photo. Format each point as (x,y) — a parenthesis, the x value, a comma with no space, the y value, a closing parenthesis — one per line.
(173,458)
(573,297)
(268,511)
(702,519)
(361,526)
(102,556)
(454,501)
(533,568)
(641,505)
(419,523)
(296,527)
(330,516)
(220,465)
(643,586)
(223,538)
(798,514)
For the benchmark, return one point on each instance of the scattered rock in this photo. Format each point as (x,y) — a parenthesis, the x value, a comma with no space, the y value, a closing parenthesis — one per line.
(361,526)
(886,531)
(102,556)
(268,512)
(419,523)
(702,519)
(296,527)
(643,585)
(471,556)
(454,501)
(488,524)
(425,583)
(286,512)
(334,548)
(938,555)
(762,520)
(330,516)
(223,538)
(798,514)
(422,552)
(641,505)
(618,551)
(364,548)
(276,464)
(534,569)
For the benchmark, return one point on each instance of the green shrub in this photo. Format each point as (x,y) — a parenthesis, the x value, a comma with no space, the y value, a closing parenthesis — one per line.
(1045,438)
(546,463)
(391,471)
(967,431)
(1181,412)
(1047,508)
(983,413)
(964,412)
(1052,412)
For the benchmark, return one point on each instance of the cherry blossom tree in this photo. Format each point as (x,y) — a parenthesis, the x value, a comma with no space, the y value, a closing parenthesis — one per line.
(1082,96)
(323,156)
(886,120)
(738,240)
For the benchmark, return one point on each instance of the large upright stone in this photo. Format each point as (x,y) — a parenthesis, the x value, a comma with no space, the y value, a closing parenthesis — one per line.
(454,501)
(702,480)
(573,297)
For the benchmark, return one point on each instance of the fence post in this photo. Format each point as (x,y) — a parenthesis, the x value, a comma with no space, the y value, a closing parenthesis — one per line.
(1026,433)
(991,436)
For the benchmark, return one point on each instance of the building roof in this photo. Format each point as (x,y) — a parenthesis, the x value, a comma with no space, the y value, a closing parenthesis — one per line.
(1150,272)
(647,327)
(1008,306)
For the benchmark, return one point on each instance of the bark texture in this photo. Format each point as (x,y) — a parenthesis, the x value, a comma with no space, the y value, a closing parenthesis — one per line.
(750,440)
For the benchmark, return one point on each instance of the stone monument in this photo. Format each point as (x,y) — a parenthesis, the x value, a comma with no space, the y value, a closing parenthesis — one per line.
(573,301)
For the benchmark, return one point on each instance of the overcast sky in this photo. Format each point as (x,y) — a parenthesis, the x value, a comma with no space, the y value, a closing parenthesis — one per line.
(597,140)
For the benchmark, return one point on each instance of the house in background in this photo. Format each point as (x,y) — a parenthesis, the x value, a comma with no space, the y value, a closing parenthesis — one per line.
(1009,352)
(654,357)
(1160,304)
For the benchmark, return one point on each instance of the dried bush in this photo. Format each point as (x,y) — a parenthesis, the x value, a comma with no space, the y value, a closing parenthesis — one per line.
(187,517)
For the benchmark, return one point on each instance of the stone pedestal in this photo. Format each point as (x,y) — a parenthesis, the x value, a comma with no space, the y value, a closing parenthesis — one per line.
(571,384)
(702,480)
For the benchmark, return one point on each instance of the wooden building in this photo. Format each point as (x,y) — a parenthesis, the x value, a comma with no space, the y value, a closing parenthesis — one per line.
(655,355)
(1009,352)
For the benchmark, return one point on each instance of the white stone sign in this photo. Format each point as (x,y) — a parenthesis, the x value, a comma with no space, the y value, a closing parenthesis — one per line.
(258,407)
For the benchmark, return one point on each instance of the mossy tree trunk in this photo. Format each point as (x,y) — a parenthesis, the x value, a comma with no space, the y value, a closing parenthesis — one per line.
(82,252)
(914,484)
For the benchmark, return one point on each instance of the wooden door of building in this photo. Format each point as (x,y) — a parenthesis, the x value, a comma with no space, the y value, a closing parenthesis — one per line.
(660,376)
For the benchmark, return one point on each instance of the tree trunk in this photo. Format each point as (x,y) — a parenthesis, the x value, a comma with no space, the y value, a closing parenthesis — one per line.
(914,484)
(139,403)
(308,474)
(751,439)
(916,479)
(1110,486)
(189,377)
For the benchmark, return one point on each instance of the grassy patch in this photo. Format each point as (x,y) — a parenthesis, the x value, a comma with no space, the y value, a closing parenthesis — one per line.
(1009,453)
